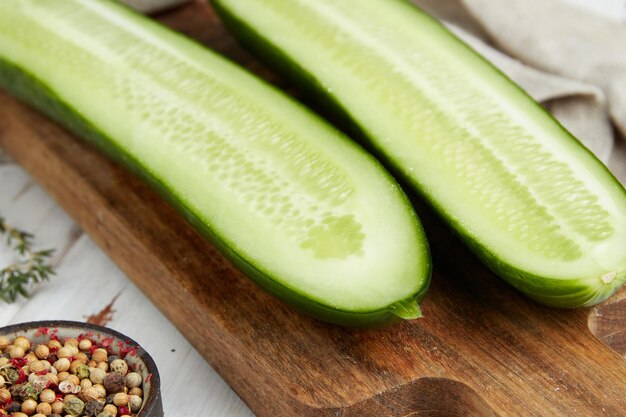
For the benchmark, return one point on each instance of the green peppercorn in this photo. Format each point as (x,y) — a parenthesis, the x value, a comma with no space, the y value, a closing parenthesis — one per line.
(23,392)
(10,374)
(74,407)
(82,371)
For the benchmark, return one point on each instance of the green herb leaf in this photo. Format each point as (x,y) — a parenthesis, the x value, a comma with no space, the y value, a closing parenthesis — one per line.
(30,268)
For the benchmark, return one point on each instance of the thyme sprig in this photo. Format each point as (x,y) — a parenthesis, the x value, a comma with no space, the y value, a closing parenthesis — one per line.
(30,268)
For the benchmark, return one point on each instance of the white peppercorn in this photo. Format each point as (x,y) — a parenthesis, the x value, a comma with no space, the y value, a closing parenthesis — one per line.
(96,375)
(99,355)
(110,409)
(44,408)
(4,342)
(22,342)
(47,396)
(64,352)
(5,395)
(57,407)
(102,392)
(85,383)
(29,406)
(16,352)
(89,394)
(133,380)
(134,403)
(42,351)
(62,365)
(85,345)
(120,399)
(36,366)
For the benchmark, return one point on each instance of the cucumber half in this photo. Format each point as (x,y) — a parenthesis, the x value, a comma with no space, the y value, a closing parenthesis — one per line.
(300,208)
(533,203)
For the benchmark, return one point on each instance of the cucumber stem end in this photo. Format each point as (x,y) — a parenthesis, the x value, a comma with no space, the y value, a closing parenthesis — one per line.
(407,309)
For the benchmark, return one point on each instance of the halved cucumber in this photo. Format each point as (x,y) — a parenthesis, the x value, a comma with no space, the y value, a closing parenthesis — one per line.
(526,197)
(297,206)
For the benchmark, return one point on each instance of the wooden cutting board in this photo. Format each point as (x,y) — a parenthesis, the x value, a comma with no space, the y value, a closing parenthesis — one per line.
(481,349)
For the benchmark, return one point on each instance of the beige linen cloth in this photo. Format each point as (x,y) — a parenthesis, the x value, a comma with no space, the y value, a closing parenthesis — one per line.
(571,60)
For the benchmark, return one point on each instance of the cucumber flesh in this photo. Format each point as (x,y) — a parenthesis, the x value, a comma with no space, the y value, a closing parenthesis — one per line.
(528,199)
(296,205)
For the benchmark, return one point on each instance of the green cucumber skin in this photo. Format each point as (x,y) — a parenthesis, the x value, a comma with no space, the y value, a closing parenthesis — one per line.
(32,91)
(554,292)
(24,86)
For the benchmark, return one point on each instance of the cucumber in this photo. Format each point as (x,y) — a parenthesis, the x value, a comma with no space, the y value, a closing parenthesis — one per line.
(531,202)
(297,206)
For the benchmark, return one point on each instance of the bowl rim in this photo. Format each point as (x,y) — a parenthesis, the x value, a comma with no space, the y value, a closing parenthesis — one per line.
(153,402)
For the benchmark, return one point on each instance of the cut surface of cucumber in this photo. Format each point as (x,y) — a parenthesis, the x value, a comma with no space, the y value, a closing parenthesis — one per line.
(296,205)
(527,197)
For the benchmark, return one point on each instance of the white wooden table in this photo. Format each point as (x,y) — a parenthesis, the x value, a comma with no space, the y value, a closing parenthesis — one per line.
(86,282)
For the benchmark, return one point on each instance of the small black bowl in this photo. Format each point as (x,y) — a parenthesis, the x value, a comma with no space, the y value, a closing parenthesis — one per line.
(137,358)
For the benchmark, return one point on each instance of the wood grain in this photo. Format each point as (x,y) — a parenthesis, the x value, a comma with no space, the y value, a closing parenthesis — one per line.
(86,281)
(481,350)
